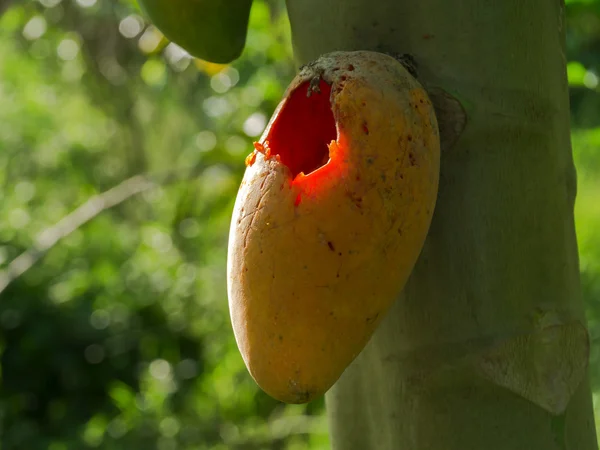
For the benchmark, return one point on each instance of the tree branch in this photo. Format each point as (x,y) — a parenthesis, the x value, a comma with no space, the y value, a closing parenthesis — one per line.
(49,237)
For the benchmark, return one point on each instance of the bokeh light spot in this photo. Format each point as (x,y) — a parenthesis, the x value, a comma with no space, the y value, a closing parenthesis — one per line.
(590,80)
(86,3)
(24,191)
(236,145)
(206,140)
(35,28)
(67,49)
(217,106)
(224,80)
(100,319)
(18,218)
(94,354)
(49,3)
(188,368)
(116,428)
(160,369)
(131,26)
(255,124)
(177,57)
(154,72)
(189,228)
(169,426)
(150,40)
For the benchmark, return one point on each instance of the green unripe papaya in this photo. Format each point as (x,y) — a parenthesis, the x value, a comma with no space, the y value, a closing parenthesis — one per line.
(213,30)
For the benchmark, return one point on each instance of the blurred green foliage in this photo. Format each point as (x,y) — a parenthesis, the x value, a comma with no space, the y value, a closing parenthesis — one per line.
(119,338)
(583,53)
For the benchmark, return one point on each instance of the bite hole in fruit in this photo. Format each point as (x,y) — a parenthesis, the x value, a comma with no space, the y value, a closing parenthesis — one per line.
(303,130)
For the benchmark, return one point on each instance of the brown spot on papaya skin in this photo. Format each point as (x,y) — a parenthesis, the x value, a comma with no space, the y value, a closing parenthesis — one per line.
(330,245)
(411,158)
(303,396)
(355,198)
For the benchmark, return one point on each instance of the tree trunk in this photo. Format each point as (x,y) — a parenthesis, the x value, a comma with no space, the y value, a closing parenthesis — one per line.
(487,346)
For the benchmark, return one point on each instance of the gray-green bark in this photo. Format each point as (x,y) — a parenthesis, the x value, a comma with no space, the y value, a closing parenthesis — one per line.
(487,347)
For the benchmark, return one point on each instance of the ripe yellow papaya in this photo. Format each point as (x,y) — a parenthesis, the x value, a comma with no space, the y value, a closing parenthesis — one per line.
(214,30)
(330,218)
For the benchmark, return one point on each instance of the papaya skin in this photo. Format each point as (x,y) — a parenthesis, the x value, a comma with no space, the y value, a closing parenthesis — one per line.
(213,30)
(316,259)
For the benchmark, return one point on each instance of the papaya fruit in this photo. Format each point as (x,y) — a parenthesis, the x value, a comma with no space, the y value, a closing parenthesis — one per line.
(330,218)
(213,30)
